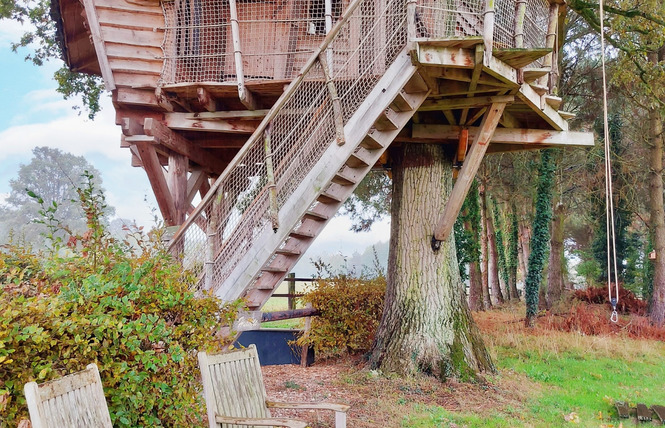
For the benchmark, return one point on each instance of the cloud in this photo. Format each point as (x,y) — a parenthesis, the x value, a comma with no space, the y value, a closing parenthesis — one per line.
(71,133)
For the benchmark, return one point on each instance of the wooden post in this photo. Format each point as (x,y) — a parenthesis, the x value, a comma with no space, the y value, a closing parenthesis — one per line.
(520,13)
(292,291)
(411,21)
(337,106)
(328,15)
(550,42)
(466,174)
(244,94)
(270,175)
(177,174)
(305,348)
(488,31)
(211,250)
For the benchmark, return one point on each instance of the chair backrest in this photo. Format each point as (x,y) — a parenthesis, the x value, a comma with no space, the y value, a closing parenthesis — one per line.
(233,385)
(73,401)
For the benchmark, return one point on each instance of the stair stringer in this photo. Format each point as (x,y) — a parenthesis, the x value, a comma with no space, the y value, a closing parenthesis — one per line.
(318,180)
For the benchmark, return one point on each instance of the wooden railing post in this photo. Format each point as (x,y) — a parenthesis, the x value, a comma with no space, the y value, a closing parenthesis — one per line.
(243,92)
(292,291)
(550,42)
(488,31)
(520,13)
(411,20)
(270,176)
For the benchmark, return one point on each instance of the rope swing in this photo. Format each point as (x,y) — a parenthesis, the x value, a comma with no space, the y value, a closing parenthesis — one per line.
(613,292)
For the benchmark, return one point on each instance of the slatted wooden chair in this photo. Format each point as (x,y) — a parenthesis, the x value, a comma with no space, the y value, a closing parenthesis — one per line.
(235,394)
(73,401)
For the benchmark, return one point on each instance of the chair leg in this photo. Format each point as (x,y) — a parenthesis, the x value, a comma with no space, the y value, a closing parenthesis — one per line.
(340,419)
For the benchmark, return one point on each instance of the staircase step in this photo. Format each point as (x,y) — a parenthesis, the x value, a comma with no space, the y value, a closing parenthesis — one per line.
(288,252)
(315,216)
(416,84)
(403,102)
(387,121)
(273,269)
(343,179)
(531,74)
(328,198)
(360,158)
(302,234)
(540,90)
(553,101)
(373,140)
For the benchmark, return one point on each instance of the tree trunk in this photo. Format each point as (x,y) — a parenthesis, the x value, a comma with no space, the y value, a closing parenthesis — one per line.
(487,302)
(475,288)
(657,212)
(426,324)
(555,272)
(541,235)
(493,261)
(513,255)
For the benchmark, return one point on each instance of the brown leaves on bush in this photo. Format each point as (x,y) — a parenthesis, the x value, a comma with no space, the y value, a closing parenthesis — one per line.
(627,303)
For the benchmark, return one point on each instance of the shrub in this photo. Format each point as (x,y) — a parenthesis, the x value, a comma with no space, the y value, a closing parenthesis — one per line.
(350,311)
(126,308)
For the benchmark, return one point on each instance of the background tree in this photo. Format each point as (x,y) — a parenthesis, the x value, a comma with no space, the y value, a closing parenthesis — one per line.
(52,175)
(39,17)
(541,235)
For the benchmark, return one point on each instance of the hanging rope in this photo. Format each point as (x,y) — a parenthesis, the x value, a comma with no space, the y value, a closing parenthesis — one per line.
(609,201)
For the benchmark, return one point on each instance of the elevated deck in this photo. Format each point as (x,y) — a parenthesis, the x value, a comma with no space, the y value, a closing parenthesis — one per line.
(272,112)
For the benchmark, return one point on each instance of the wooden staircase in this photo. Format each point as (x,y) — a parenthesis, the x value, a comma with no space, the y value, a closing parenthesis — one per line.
(368,133)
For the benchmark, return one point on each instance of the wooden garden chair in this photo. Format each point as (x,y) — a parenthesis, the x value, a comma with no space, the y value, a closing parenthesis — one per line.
(73,401)
(235,394)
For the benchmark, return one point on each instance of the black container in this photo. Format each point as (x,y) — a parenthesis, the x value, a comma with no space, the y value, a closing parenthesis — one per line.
(273,346)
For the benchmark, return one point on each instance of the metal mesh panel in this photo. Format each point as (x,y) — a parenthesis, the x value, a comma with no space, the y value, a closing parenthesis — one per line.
(301,127)
(504,24)
(449,18)
(275,38)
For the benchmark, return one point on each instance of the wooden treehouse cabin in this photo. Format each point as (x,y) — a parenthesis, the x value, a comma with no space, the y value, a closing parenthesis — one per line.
(256,119)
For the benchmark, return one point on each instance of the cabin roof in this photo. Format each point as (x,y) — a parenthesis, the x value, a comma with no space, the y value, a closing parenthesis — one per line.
(73,37)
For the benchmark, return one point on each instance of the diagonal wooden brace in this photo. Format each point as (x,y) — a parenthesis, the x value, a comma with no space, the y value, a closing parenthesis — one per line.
(467,174)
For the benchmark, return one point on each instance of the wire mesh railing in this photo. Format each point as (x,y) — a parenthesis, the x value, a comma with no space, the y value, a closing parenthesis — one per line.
(275,39)
(290,140)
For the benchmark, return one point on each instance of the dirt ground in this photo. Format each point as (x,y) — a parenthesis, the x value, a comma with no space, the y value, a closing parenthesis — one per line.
(379,401)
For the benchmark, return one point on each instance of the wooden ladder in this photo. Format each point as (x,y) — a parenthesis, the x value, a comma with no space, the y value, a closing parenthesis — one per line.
(369,132)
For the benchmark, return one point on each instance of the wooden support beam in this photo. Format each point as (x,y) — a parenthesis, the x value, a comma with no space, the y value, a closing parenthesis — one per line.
(177,182)
(467,174)
(160,188)
(461,75)
(446,57)
(183,146)
(537,137)
(98,43)
(459,103)
(509,121)
(226,115)
(194,183)
(477,70)
(206,100)
(187,122)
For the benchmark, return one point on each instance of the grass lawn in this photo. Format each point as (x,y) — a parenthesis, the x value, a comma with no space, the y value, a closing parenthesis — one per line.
(563,378)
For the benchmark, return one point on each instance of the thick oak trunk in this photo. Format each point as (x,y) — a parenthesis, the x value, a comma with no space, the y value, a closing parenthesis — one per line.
(475,288)
(426,324)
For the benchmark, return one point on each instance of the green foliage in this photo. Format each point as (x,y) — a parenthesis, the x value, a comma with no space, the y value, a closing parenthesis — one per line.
(125,307)
(541,232)
(467,231)
(42,41)
(350,308)
(370,201)
(500,245)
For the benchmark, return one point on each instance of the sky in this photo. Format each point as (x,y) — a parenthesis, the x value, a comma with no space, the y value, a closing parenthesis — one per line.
(33,114)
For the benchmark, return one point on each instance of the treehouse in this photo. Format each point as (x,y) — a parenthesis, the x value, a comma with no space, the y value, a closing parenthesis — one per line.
(256,119)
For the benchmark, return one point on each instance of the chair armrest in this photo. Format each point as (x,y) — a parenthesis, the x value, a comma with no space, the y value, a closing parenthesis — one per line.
(340,409)
(321,406)
(279,422)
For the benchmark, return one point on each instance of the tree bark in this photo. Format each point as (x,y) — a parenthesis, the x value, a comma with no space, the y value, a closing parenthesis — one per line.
(426,325)
(657,211)
(475,288)
(484,265)
(493,259)
(555,272)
